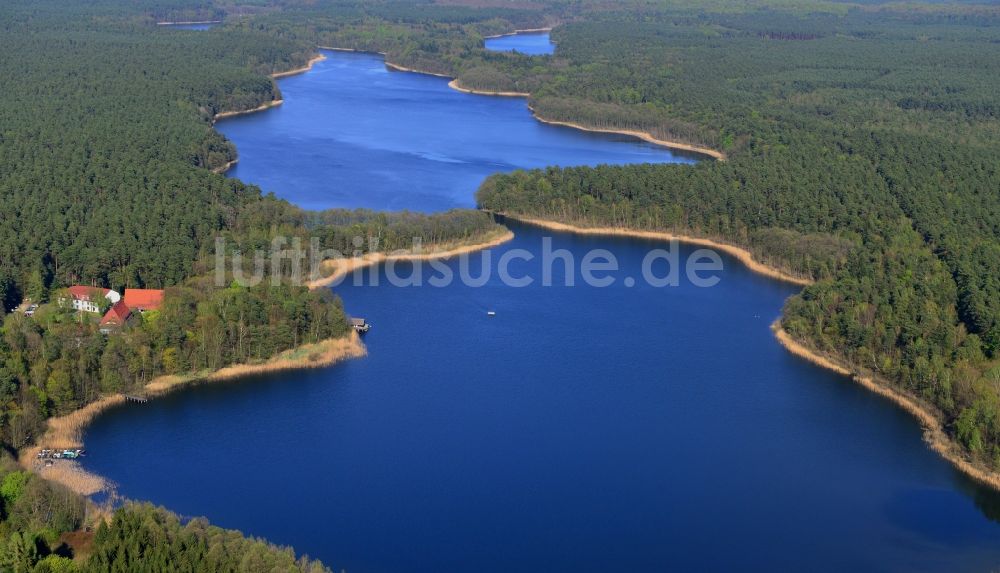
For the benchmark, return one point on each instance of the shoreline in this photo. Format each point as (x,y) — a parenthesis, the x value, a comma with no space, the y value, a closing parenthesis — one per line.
(66,432)
(261,107)
(341,268)
(189,23)
(453,84)
(739,253)
(399,68)
(456,85)
(302,70)
(222,169)
(933,430)
(266,105)
(643,135)
(516,32)
(934,434)
(352,50)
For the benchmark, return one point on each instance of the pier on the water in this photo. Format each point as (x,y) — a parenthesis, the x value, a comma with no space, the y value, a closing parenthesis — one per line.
(135,398)
(360,325)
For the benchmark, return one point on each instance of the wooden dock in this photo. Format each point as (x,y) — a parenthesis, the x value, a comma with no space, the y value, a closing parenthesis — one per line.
(360,325)
(135,398)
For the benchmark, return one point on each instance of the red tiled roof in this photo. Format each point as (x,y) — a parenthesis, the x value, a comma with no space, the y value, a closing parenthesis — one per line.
(143,298)
(116,315)
(81,292)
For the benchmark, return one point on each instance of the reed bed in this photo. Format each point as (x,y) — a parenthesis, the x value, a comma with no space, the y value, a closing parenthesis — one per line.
(72,475)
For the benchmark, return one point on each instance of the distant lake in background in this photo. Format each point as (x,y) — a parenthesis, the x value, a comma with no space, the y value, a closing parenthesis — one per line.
(577,429)
(199,26)
(530,43)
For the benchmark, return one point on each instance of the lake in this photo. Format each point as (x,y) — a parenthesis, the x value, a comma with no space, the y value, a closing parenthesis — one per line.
(528,43)
(352,133)
(196,26)
(580,428)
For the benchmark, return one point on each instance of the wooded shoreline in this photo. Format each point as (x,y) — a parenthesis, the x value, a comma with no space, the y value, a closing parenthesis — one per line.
(339,268)
(456,85)
(66,432)
(928,418)
(516,32)
(261,107)
(739,253)
(300,70)
(189,23)
(266,105)
(926,415)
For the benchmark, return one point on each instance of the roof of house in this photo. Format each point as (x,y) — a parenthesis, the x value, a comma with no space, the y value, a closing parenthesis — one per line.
(143,298)
(116,315)
(82,292)
(357,322)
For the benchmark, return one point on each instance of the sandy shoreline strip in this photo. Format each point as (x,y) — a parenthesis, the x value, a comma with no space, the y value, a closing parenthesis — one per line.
(192,22)
(739,253)
(228,165)
(266,105)
(66,432)
(453,84)
(302,70)
(400,68)
(340,268)
(354,51)
(516,32)
(261,107)
(643,135)
(934,433)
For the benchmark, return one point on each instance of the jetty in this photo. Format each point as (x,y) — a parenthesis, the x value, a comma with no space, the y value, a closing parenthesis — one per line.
(360,325)
(135,398)
(57,454)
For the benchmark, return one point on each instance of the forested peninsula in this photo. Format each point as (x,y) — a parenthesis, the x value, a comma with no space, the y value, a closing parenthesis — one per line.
(865,164)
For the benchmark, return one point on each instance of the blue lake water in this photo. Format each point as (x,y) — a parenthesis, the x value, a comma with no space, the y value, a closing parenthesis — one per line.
(200,27)
(584,429)
(531,44)
(352,133)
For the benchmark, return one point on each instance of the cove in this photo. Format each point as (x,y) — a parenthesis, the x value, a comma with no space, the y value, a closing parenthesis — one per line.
(584,429)
(351,133)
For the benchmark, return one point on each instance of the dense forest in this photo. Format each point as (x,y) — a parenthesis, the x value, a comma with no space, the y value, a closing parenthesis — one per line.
(861,143)
(35,516)
(108,161)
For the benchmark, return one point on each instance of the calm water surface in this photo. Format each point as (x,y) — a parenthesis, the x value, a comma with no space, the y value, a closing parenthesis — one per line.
(352,133)
(531,44)
(196,27)
(579,429)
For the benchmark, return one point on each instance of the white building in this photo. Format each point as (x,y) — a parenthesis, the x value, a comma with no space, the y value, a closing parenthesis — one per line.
(89,299)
